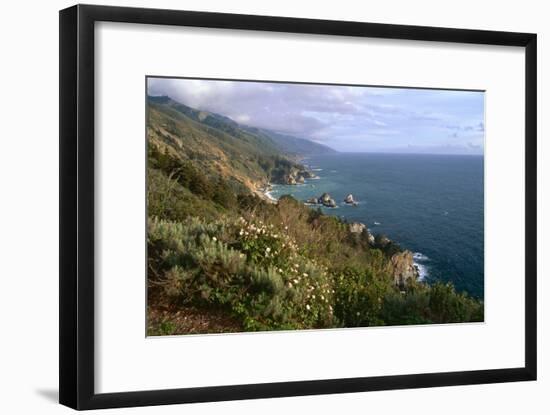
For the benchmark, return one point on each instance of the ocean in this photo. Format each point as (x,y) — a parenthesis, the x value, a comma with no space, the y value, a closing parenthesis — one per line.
(431,205)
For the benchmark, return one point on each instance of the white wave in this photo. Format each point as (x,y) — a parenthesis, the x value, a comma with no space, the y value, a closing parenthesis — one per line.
(270,196)
(377,223)
(422,271)
(316,169)
(418,259)
(418,256)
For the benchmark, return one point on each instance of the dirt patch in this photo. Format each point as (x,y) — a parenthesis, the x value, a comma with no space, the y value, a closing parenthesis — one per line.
(174,320)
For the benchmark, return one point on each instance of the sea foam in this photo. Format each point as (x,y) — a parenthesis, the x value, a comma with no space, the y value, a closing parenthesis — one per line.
(418,259)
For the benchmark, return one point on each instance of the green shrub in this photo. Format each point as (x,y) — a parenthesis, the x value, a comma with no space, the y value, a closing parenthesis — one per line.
(406,307)
(167,199)
(275,270)
(359,297)
(448,306)
(256,273)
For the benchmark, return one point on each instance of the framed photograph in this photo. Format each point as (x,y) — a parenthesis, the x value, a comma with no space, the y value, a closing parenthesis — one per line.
(258,207)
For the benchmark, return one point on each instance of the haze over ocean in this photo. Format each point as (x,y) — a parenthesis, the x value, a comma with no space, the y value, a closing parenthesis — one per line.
(430,204)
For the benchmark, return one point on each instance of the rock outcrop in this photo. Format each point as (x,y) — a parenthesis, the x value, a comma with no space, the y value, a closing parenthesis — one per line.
(382,241)
(297,176)
(360,229)
(349,199)
(357,227)
(312,201)
(370,237)
(331,203)
(326,200)
(290,180)
(402,268)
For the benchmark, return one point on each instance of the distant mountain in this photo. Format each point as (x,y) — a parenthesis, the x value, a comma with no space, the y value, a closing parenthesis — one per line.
(293,145)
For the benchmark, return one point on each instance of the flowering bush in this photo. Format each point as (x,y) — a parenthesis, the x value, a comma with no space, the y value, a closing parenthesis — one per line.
(256,271)
(253,269)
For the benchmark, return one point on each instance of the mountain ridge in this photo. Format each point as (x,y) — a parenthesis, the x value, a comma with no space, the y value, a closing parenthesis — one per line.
(287,143)
(219,148)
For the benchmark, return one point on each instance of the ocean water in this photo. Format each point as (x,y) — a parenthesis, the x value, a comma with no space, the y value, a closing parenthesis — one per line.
(429,204)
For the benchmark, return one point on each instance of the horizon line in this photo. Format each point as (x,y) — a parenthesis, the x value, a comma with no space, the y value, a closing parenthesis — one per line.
(402,153)
(290,134)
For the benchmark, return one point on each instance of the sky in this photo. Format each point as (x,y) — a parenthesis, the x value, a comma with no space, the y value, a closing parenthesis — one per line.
(346,118)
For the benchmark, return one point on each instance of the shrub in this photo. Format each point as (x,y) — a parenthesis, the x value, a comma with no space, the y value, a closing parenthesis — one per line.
(257,274)
(167,199)
(273,270)
(359,297)
(448,306)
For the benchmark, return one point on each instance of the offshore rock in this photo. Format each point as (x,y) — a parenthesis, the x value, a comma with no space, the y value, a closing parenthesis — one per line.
(349,199)
(325,197)
(331,203)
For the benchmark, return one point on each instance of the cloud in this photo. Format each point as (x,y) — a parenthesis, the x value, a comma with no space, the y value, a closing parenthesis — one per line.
(343,117)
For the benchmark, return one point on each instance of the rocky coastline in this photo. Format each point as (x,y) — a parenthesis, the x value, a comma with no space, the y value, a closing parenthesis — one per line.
(401,265)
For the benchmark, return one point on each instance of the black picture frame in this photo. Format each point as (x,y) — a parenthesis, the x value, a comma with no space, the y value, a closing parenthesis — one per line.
(76,280)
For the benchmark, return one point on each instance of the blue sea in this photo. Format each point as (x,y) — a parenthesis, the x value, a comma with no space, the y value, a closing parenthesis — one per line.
(431,205)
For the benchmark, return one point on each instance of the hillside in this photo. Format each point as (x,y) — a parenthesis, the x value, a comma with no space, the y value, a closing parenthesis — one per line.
(248,158)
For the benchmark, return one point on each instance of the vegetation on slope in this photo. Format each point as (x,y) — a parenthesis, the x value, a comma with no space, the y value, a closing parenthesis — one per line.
(216,145)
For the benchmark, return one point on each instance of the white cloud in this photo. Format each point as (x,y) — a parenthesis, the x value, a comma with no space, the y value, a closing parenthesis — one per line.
(340,116)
